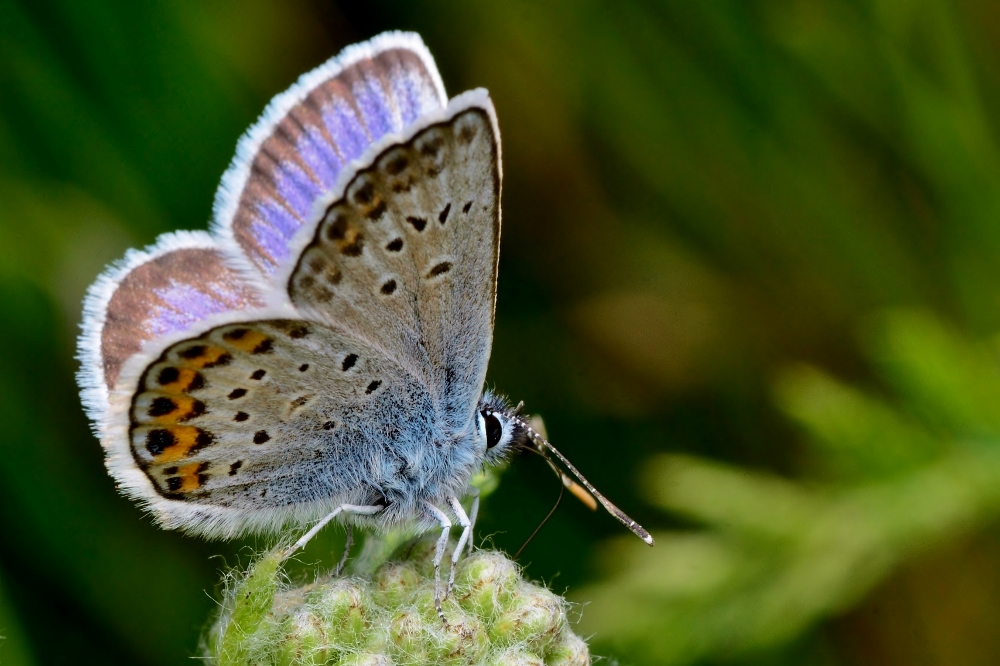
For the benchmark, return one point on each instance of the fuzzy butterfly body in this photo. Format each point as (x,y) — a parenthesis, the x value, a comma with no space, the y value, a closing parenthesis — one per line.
(323,350)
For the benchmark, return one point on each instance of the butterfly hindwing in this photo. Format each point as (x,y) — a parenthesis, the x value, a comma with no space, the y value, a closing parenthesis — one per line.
(154,294)
(256,416)
(407,258)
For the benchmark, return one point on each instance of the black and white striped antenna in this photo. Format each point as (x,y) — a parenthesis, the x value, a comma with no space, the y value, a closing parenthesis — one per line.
(543,444)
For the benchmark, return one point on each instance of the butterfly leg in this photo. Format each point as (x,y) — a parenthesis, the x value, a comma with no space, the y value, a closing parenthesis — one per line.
(343,508)
(466,524)
(347,550)
(473,512)
(442,544)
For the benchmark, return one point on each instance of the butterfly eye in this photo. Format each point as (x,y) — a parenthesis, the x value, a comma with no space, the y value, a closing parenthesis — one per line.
(494,431)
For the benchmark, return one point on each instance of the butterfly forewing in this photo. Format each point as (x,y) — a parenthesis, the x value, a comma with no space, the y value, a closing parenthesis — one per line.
(406,260)
(313,132)
(273,413)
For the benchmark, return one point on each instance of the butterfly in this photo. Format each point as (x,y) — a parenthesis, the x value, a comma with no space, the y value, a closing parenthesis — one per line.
(322,351)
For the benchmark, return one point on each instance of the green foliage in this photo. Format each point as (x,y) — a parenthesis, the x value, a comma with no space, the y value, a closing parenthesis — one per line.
(894,477)
(385,615)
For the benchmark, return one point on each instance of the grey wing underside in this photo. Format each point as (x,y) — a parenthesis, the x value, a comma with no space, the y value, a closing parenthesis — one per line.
(273,414)
(407,259)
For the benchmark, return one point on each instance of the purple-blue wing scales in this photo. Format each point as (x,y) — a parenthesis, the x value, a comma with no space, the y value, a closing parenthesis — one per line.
(178,288)
(309,135)
(155,295)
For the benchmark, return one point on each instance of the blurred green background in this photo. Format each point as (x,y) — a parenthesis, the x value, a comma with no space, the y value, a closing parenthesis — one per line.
(749,275)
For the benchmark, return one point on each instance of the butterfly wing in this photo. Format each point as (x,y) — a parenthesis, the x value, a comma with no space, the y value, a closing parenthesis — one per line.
(223,415)
(150,297)
(254,424)
(407,186)
(406,258)
(164,369)
(310,134)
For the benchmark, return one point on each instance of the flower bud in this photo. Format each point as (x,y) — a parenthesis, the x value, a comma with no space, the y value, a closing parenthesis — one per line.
(493,617)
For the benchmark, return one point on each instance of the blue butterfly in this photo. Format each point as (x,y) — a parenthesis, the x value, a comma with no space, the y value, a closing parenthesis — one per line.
(322,351)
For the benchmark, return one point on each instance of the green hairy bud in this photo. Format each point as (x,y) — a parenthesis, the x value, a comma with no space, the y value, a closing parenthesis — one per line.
(387,617)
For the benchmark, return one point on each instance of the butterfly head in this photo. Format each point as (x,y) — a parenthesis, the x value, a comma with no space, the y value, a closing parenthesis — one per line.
(501,428)
(505,431)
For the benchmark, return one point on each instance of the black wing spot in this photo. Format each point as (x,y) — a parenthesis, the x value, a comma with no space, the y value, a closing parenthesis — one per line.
(157,441)
(440,269)
(197,409)
(353,249)
(395,245)
(162,406)
(197,351)
(349,362)
(260,437)
(303,367)
(235,334)
(467,133)
(418,222)
(237,393)
(298,331)
(337,229)
(389,287)
(174,483)
(466,207)
(258,374)
(234,467)
(241,416)
(328,425)
(396,166)
(265,347)
(365,194)
(202,478)
(168,375)
(374,385)
(443,215)
(203,439)
(377,211)
(224,359)
(431,148)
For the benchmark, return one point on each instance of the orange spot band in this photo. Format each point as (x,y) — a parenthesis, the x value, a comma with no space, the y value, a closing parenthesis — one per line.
(185,439)
(185,378)
(184,407)
(190,478)
(210,355)
(249,341)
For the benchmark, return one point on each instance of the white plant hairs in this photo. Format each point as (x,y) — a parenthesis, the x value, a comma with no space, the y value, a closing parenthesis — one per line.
(322,352)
